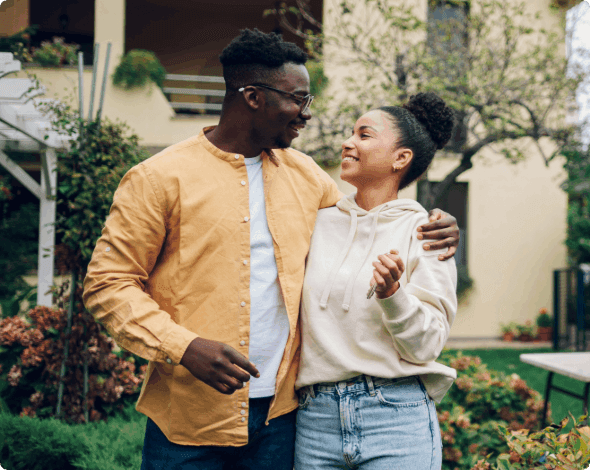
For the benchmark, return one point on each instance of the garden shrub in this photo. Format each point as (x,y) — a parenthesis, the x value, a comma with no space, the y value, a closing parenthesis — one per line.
(115,445)
(577,186)
(55,53)
(550,448)
(32,347)
(479,402)
(137,68)
(19,232)
(33,444)
(31,353)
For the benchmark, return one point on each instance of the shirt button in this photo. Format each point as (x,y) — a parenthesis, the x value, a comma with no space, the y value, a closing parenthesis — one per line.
(243,419)
(237,157)
(243,304)
(242,343)
(108,248)
(169,361)
(246,219)
(245,262)
(243,412)
(243,183)
(244,404)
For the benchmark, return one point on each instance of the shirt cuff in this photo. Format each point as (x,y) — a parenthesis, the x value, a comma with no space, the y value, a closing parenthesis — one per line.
(176,343)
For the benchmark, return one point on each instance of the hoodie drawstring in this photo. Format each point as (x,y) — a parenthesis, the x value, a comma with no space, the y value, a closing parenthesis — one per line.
(352,280)
(336,266)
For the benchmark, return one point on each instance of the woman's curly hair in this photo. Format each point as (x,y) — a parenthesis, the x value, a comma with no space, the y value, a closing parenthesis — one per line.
(425,124)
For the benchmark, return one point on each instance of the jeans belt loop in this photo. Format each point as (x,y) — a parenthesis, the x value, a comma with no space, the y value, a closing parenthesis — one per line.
(370,385)
(311,391)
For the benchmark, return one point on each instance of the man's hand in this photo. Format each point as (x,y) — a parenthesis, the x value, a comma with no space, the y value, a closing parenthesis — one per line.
(388,271)
(218,365)
(443,227)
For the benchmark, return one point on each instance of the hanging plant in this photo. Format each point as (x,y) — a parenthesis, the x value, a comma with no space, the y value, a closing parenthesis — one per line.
(137,68)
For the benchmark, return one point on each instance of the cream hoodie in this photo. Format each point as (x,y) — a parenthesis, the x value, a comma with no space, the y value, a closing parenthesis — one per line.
(343,333)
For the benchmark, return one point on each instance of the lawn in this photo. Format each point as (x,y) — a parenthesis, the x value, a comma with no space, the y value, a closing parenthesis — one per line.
(507,361)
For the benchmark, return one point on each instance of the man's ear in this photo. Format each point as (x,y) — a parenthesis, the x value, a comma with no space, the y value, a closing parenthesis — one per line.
(253,97)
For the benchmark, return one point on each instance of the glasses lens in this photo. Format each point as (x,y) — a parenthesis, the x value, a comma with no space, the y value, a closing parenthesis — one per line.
(306,103)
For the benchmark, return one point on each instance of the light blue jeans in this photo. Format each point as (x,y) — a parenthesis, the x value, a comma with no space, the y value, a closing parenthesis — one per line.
(367,423)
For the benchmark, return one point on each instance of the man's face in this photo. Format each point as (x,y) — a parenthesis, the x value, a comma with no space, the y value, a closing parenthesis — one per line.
(281,119)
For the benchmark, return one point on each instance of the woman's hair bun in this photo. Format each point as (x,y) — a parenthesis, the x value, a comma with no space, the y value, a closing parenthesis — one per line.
(432,112)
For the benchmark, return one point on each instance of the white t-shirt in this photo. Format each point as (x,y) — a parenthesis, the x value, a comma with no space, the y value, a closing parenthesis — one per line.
(269,324)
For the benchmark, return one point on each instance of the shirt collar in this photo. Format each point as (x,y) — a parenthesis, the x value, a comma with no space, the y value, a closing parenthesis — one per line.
(229,157)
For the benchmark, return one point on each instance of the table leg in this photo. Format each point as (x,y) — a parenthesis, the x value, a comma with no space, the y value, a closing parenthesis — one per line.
(547,392)
(586,399)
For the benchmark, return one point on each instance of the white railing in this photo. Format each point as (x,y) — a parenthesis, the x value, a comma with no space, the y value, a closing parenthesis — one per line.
(187,99)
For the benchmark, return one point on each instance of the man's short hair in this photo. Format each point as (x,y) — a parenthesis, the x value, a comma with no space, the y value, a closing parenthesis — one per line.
(256,57)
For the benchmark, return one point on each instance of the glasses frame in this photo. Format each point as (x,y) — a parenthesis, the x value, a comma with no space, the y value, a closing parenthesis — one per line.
(304,101)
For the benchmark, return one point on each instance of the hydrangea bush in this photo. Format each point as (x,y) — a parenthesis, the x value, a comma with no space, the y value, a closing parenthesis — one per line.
(476,407)
(31,352)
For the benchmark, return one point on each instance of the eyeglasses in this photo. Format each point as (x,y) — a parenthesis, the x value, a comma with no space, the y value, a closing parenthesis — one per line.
(304,101)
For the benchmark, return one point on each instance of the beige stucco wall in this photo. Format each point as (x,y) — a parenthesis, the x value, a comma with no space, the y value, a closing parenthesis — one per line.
(516,222)
(145,110)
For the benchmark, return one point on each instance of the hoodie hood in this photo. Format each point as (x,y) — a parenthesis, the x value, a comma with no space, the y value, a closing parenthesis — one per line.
(390,211)
(394,209)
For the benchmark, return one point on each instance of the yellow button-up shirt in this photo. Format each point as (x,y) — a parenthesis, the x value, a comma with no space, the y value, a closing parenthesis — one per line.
(173,264)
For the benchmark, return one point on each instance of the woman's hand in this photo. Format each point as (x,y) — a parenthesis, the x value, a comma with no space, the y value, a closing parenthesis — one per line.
(387,273)
(443,227)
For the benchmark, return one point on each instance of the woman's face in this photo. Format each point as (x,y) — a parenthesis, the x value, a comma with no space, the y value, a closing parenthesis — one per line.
(370,154)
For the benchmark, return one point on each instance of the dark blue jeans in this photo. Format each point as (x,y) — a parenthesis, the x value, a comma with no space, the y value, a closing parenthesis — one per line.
(269,447)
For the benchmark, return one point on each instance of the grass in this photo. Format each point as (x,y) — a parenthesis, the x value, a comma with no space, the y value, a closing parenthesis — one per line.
(508,361)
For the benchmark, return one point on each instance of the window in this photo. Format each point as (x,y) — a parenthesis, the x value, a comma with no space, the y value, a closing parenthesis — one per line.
(455,203)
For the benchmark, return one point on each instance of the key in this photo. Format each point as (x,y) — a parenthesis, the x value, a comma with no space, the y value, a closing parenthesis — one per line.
(372,291)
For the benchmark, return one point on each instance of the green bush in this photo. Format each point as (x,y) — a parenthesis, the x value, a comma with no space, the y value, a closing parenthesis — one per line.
(577,186)
(17,43)
(475,407)
(56,53)
(19,233)
(33,444)
(137,68)
(546,449)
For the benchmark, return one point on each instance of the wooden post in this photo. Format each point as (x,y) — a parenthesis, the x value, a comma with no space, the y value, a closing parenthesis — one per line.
(47,227)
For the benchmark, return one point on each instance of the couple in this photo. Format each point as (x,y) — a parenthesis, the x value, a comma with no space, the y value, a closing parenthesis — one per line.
(201,268)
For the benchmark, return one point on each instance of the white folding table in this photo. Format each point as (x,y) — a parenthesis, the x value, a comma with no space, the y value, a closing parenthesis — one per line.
(575,365)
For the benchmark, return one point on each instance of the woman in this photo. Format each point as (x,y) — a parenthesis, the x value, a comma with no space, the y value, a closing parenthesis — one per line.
(367,377)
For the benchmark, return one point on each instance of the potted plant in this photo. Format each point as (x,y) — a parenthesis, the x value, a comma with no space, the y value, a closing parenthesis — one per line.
(526,332)
(55,53)
(508,331)
(544,326)
(137,68)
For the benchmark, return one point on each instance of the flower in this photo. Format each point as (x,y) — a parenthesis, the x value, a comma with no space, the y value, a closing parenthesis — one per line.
(14,375)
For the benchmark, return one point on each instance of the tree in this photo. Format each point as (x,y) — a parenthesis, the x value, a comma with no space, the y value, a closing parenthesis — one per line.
(577,186)
(505,76)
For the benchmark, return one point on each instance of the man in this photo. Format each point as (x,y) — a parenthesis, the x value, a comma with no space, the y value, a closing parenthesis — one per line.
(200,267)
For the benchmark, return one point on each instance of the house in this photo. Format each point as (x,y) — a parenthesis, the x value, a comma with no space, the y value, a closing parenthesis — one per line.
(513,217)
